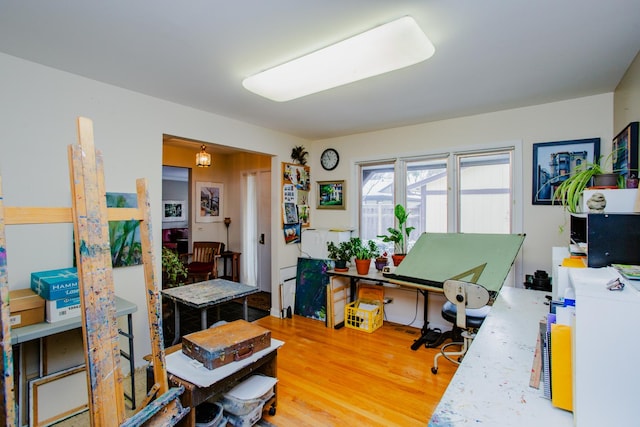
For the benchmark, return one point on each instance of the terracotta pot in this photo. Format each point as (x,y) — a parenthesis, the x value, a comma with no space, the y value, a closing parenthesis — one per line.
(397,259)
(362,266)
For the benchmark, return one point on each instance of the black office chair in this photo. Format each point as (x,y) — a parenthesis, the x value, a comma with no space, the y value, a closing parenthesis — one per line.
(466,308)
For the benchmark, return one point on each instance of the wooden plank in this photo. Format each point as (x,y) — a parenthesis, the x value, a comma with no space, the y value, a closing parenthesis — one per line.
(95,277)
(49,215)
(154,300)
(8,412)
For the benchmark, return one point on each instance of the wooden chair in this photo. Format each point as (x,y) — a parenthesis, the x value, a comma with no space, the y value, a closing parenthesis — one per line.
(202,262)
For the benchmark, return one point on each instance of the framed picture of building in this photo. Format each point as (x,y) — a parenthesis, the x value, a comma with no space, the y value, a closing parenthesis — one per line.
(624,150)
(554,162)
(331,195)
(173,210)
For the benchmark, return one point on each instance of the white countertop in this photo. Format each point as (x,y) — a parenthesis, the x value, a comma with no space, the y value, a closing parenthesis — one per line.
(491,386)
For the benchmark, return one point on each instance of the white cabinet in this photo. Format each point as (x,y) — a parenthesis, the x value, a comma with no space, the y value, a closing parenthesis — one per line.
(314,241)
(606,349)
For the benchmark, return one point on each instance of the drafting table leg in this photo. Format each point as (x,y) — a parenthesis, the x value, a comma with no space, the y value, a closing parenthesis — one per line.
(176,311)
(429,337)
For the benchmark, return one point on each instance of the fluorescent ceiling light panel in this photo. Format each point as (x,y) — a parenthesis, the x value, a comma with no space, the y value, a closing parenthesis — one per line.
(389,47)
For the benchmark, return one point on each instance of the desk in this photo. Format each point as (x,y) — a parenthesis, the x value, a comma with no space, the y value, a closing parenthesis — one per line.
(376,276)
(234,259)
(214,383)
(491,386)
(41,330)
(204,295)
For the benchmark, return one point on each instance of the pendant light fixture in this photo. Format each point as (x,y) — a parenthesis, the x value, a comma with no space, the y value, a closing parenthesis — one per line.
(203,159)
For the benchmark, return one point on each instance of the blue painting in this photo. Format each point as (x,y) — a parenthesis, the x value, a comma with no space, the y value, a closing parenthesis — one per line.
(311,288)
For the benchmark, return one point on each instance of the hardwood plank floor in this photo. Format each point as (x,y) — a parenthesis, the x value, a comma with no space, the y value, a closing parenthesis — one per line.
(348,377)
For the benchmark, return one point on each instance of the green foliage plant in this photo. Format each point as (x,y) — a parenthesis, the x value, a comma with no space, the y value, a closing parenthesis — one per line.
(360,250)
(172,268)
(399,236)
(339,252)
(569,191)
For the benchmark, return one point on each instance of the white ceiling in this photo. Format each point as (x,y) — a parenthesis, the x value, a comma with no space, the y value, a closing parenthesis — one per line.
(490,54)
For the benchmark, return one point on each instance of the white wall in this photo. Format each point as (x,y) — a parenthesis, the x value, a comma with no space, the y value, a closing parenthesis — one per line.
(572,119)
(627,97)
(38,111)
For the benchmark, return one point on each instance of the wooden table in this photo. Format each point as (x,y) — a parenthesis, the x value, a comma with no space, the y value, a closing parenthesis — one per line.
(204,295)
(214,383)
(234,258)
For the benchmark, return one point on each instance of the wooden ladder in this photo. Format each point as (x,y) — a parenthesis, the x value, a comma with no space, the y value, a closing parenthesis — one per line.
(90,215)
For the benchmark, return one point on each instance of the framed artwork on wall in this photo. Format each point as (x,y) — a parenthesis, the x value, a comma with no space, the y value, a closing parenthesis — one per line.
(554,162)
(173,210)
(331,195)
(209,202)
(624,149)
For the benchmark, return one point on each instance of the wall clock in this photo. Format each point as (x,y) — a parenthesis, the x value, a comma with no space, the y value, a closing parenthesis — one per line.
(329,159)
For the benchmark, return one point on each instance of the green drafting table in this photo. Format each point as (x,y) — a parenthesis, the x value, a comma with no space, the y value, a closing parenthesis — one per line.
(484,259)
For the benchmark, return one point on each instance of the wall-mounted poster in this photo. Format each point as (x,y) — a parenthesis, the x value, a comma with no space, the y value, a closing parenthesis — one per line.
(625,151)
(296,183)
(554,162)
(208,198)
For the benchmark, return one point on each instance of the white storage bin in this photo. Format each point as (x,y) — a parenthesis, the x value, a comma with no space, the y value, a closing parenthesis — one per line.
(244,402)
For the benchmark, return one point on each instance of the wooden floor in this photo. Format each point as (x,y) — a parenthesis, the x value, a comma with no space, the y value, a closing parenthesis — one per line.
(348,377)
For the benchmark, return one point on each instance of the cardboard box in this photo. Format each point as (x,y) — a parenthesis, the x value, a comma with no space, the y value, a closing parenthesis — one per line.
(26,308)
(56,284)
(62,309)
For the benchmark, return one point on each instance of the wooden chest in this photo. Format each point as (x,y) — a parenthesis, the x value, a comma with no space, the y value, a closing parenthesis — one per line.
(216,347)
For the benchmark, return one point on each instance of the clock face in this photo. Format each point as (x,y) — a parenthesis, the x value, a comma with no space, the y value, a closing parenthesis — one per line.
(329,159)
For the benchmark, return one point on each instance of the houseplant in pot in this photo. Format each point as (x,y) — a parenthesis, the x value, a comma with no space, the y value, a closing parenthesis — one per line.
(340,254)
(398,235)
(174,273)
(363,253)
(570,190)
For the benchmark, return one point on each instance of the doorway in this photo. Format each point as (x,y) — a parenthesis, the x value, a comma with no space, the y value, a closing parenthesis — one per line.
(256,238)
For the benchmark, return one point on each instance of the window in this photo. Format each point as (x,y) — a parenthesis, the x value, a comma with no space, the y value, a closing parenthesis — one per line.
(468,192)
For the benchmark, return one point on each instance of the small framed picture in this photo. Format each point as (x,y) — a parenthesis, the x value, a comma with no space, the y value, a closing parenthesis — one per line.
(173,210)
(331,195)
(209,197)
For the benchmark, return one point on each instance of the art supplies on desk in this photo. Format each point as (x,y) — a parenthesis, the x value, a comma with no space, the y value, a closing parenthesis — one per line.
(631,272)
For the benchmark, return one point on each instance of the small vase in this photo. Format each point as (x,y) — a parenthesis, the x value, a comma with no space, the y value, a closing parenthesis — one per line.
(362,266)
(381,262)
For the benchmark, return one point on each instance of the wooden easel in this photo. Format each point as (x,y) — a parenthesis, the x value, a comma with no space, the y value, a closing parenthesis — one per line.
(90,217)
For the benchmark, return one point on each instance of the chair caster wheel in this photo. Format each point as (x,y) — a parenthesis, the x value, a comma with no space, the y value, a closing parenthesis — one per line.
(434,370)
(272,411)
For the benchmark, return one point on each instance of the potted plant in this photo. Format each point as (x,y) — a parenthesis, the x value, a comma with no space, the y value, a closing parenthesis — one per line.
(340,254)
(363,253)
(381,261)
(174,273)
(400,235)
(570,190)
(299,154)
